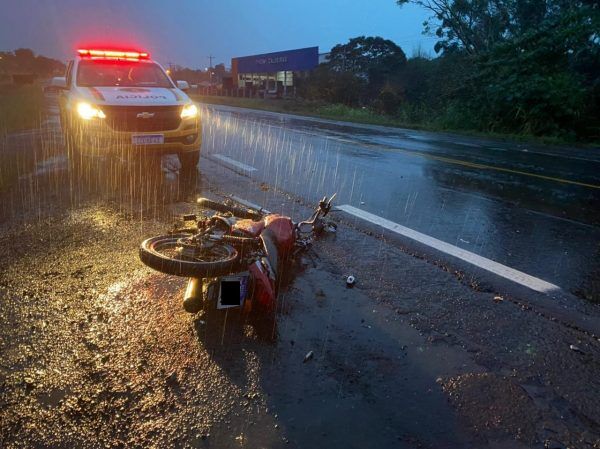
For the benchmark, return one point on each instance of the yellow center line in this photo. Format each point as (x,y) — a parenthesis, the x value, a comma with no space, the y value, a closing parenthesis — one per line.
(465,163)
(492,167)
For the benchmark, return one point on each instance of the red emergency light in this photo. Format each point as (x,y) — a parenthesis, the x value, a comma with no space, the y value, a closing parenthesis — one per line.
(129,55)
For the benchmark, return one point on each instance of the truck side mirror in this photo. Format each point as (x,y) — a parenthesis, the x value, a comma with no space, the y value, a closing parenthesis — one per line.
(183,85)
(59,82)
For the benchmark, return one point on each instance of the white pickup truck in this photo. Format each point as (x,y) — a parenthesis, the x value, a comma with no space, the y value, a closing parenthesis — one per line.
(122,101)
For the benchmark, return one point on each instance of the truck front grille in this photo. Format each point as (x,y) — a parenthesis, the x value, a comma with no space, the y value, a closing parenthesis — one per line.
(142,118)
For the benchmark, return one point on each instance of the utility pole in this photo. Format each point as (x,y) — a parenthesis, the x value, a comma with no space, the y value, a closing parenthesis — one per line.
(170,69)
(210,68)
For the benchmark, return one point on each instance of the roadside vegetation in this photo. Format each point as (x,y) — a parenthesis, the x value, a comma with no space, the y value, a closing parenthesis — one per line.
(366,115)
(21,96)
(522,69)
(530,68)
(21,107)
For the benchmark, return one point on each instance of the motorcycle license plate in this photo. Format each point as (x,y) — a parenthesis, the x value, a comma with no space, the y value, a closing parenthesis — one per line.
(232,291)
(148,139)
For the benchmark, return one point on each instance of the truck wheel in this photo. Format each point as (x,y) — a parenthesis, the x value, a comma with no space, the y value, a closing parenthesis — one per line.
(189,161)
(188,176)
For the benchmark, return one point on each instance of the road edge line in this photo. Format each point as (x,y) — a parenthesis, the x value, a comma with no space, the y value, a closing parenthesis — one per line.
(489,265)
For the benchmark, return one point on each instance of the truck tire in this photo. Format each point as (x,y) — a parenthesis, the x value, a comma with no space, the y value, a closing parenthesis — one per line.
(189,161)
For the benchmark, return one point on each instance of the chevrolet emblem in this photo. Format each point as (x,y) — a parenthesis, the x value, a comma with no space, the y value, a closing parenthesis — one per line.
(145,115)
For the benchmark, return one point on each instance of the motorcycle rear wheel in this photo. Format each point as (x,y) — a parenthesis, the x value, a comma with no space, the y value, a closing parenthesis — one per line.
(162,253)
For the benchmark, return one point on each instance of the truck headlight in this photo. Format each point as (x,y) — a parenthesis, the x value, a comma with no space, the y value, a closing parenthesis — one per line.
(88,111)
(189,111)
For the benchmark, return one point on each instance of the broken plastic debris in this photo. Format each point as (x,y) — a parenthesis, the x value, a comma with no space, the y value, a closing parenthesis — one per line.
(309,355)
(350,281)
(575,348)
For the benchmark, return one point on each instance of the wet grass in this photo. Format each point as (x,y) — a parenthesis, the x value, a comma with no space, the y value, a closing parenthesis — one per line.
(367,116)
(21,107)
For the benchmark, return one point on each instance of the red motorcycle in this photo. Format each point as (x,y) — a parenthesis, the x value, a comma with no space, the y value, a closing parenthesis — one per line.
(233,258)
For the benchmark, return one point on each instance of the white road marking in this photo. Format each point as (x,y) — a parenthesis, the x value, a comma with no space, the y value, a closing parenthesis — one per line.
(233,162)
(511,274)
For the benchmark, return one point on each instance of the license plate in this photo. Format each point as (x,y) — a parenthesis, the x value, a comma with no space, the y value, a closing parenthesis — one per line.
(233,291)
(148,139)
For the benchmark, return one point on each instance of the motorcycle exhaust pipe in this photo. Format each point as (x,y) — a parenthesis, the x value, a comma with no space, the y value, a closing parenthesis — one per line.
(192,300)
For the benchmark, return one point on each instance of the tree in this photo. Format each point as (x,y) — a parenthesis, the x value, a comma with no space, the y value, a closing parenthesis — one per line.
(545,81)
(370,58)
(472,26)
(24,61)
(528,65)
(358,70)
(475,26)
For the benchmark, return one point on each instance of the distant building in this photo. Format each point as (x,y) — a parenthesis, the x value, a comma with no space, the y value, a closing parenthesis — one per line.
(273,73)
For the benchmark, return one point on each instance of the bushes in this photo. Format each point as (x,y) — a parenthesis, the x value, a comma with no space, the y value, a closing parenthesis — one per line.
(21,107)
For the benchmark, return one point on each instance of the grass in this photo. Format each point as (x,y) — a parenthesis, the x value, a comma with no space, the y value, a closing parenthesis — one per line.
(21,107)
(363,115)
(308,108)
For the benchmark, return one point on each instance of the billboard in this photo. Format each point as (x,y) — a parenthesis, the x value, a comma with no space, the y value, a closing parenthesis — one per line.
(291,60)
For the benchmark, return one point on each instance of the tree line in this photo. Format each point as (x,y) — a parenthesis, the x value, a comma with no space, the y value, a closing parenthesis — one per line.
(24,61)
(509,66)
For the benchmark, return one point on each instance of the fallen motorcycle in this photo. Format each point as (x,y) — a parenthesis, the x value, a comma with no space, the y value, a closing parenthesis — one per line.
(232,258)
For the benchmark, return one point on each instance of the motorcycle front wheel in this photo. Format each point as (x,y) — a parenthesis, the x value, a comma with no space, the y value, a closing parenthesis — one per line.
(165,253)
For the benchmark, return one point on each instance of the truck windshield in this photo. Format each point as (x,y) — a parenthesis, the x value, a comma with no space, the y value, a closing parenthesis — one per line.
(121,73)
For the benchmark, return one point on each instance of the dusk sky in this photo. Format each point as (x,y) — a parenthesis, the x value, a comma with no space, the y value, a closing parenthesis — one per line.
(186,32)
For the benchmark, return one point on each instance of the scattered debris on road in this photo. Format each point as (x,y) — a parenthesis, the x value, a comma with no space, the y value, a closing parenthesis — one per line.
(350,281)
(576,349)
(309,355)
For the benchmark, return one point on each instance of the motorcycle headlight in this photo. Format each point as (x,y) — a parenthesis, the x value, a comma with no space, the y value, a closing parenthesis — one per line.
(88,111)
(189,111)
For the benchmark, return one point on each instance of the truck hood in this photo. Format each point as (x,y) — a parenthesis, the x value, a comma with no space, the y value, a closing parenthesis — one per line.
(135,96)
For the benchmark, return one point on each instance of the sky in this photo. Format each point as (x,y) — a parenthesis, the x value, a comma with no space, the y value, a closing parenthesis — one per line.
(187,32)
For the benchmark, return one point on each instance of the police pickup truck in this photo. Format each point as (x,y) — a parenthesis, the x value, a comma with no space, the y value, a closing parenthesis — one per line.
(120,101)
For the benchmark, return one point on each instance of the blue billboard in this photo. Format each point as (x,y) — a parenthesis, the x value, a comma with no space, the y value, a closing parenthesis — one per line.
(291,60)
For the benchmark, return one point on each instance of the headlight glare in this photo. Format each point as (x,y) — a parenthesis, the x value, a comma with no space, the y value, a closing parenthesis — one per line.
(189,111)
(88,111)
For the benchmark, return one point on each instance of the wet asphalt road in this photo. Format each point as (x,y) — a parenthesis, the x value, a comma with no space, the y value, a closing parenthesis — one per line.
(529,207)
(96,351)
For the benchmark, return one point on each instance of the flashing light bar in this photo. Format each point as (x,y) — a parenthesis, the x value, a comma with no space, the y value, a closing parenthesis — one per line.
(129,55)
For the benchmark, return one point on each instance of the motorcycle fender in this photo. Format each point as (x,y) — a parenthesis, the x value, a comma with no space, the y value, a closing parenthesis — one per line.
(249,227)
(263,289)
(282,229)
